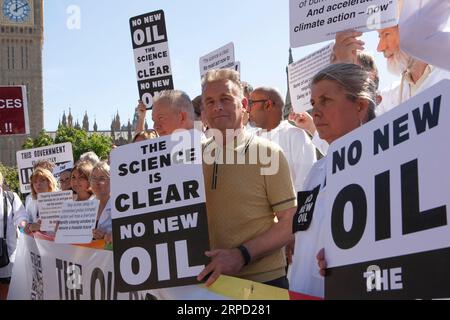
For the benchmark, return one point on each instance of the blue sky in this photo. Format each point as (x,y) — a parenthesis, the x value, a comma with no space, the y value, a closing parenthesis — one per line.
(92,68)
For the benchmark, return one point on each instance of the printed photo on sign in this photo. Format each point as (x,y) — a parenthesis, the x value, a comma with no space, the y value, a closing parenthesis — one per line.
(151,55)
(13,111)
(160,227)
(77,221)
(314,21)
(58,154)
(388,205)
(218,59)
(50,206)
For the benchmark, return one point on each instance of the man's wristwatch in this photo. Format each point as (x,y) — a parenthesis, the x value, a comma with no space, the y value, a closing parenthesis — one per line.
(245,254)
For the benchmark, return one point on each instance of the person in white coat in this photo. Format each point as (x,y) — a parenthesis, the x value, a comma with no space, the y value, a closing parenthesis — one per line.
(343,97)
(423,32)
(16,217)
(416,75)
(266,109)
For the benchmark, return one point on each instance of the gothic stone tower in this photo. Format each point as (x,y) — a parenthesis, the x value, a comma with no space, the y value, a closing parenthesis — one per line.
(21,41)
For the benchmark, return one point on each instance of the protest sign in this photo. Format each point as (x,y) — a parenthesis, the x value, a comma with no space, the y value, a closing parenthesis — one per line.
(301,74)
(314,21)
(387,218)
(219,59)
(58,154)
(50,206)
(44,270)
(76,222)
(160,226)
(14,111)
(68,166)
(151,54)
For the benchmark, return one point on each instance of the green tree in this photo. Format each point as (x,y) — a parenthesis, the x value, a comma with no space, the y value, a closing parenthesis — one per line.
(11,178)
(81,142)
(42,140)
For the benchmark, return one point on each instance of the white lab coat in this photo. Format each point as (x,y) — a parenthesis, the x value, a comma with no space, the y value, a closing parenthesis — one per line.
(297,147)
(304,276)
(16,214)
(391,98)
(422,31)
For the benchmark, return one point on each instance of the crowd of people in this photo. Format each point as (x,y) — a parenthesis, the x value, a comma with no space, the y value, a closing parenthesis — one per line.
(252,231)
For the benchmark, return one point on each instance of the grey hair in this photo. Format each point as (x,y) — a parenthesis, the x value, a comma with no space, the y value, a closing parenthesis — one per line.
(224,75)
(367,62)
(272,94)
(91,157)
(102,166)
(178,101)
(357,82)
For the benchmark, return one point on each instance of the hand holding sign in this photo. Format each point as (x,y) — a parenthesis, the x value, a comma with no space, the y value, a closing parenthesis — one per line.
(346,47)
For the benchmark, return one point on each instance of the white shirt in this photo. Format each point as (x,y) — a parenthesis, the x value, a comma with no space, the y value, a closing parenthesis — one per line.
(320,144)
(105,222)
(297,147)
(304,274)
(31,205)
(422,31)
(401,93)
(16,214)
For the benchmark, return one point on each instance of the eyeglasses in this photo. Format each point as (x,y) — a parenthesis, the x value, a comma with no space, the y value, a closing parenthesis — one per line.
(99,179)
(252,102)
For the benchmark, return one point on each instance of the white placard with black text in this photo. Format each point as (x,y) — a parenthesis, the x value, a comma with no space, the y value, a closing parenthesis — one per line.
(159,212)
(301,74)
(314,21)
(219,59)
(387,203)
(151,55)
(58,154)
(50,206)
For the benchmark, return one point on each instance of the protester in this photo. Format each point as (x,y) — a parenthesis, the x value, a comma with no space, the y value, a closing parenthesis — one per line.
(14,214)
(422,31)
(416,75)
(343,98)
(100,185)
(81,174)
(41,181)
(145,135)
(242,199)
(266,112)
(64,180)
(172,110)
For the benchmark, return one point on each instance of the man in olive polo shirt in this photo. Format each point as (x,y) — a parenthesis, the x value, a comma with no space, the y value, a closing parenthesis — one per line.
(244,191)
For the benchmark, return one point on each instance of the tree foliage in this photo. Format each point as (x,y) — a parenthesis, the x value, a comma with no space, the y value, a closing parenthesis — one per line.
(81,142)
(11,178)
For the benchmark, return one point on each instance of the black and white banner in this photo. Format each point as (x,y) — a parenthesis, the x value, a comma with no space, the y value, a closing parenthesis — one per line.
(160,227)
(387,204)
(151,54)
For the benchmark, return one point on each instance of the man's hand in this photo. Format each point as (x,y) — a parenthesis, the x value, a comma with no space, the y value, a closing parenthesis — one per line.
(224,261)
(141,110)
(303,121)
(98,234)
(321,262)
(290,247)
(346,47)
